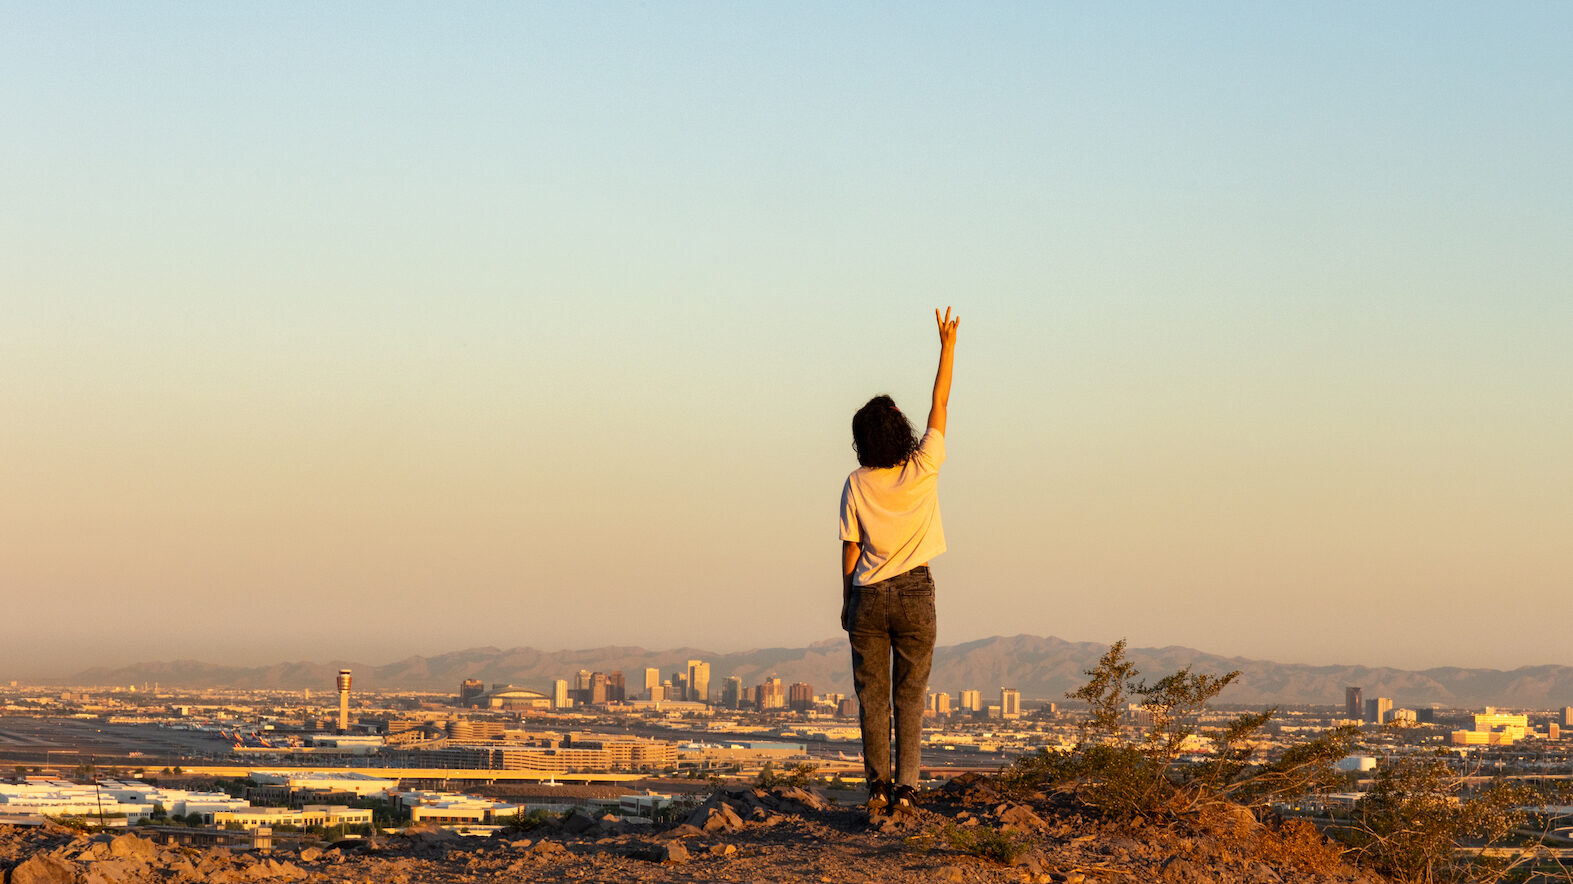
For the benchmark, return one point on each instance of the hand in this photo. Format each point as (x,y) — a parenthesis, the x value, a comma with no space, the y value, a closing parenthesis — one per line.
(947,328)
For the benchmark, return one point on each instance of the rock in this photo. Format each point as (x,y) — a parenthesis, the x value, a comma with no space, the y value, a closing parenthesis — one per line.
(131,845)
(723,849)
(715,816)
(1261,873)
(1182,871)
(310,854)
(950,874)
(93,851)
(547,848)
(674,852)
(682,831)
(577,823)
(1030,861)
(43,870)
(1019,816)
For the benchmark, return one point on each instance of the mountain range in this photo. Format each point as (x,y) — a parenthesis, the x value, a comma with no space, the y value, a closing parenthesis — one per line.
(1042,668)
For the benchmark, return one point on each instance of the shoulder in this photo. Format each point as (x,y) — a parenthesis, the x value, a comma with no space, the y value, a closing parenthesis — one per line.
(931,448)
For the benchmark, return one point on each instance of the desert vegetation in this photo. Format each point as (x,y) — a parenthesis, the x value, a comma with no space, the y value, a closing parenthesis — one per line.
(1422,819)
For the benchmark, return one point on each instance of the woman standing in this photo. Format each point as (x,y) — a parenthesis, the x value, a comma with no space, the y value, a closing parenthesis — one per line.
(890,529)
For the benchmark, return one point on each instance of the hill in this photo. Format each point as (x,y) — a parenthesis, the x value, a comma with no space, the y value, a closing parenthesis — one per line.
(1040,667)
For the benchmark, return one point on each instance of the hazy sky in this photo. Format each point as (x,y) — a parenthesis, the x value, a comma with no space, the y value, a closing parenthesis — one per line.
(359,330)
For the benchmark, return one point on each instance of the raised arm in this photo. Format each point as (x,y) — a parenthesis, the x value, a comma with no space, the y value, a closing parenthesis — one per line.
(947,351)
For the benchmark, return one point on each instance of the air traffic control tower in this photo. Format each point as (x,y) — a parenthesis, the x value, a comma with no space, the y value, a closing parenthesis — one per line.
(344,700)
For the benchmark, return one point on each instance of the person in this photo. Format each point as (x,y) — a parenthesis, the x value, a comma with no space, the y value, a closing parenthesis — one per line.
(890,529)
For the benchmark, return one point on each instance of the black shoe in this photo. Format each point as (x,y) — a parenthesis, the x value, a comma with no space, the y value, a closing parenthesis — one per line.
(904,800)
(879,797)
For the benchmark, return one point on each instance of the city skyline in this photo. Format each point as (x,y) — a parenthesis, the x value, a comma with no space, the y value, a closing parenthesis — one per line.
(1041,668)
(331,331)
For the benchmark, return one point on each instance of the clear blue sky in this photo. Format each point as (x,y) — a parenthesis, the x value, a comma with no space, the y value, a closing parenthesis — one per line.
(360,330)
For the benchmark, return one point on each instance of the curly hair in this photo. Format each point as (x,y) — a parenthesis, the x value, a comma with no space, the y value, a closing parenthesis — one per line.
(881,434)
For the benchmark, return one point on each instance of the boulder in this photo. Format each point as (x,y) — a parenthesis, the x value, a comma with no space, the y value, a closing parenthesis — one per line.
(673,852)
(1020,817)
(715,815)
(43,870)
(131,845)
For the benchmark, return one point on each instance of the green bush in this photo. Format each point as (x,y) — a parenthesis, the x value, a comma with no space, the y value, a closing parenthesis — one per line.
(1001,847)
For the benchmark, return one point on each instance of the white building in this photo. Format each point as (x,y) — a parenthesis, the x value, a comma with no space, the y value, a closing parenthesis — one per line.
(136,801)
(363,785)
(311,815)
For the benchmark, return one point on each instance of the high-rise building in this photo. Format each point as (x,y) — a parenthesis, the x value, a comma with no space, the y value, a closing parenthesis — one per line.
(971,700)
(732,692)
(1010,702)
(560,694)
(680,683)
(1567,716)
(800,696)
(942,704)
(772,695)
(652,679)
(616,690)
(1377,709)
(1353,706)
(699,681)
(469,689)
(598,686)
(343,683)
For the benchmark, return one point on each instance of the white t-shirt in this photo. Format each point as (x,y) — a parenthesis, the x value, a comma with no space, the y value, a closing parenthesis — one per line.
(893,513)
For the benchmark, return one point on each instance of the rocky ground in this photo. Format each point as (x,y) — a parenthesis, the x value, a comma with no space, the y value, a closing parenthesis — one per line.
(964,832)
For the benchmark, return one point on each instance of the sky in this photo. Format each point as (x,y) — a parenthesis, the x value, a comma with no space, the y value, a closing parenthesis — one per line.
(354,331)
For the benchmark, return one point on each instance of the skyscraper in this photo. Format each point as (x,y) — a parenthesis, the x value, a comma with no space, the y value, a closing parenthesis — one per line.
(699,681)
(469,689)
(771,694)
(971,700)
(1377,709)
(1010,702)
(652,679)
(731,692)
(942,703)
(560,694)
(1353,704)
(801,696)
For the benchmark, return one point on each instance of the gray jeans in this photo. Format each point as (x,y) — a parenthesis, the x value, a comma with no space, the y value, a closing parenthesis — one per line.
(891,628)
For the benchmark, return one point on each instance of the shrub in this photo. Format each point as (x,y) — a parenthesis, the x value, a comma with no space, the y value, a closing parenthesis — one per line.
(519,821)
(1139,777)
(1001,847)
(801,775)
(1417,812)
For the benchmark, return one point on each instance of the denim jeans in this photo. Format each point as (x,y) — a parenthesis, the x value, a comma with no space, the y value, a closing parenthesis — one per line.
(891,629)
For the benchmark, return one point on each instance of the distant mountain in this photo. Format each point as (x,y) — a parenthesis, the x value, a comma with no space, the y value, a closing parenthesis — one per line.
(1041,668)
